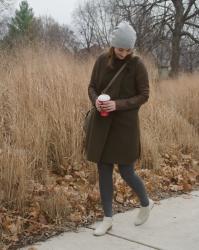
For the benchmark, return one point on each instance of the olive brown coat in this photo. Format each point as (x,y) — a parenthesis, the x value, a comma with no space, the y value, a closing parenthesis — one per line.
(116,138)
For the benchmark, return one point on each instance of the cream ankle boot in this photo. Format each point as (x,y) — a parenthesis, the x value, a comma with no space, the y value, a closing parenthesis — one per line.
(144,213)
(104,226)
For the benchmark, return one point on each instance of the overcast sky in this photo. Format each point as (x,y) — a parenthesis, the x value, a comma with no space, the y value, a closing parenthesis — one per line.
(60,10)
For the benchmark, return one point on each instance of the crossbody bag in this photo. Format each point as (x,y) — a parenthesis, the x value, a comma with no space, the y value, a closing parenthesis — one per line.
(89,113)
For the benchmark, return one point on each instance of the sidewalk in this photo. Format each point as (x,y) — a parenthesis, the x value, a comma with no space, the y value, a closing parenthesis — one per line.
(173,225)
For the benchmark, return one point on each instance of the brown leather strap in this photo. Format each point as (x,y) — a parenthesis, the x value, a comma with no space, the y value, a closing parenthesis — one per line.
(113,79)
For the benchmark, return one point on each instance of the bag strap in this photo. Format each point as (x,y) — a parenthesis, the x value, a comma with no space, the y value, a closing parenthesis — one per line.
(113,79)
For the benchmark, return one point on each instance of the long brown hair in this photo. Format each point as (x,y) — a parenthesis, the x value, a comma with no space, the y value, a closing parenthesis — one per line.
(111,56)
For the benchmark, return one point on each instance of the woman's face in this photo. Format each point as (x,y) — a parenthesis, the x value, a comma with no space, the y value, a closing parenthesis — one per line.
(122,53)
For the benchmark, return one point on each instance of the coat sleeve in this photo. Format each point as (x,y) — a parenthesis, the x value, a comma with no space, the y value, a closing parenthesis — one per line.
(92,84)
(142,86)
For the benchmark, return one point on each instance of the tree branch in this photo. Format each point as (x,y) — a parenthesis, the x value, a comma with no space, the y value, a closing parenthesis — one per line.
(192,24)
(194,14)
(184,33)
(191,3)
(170,27)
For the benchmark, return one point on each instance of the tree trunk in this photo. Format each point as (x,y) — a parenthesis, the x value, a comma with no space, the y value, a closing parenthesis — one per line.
(175,53)
(179,23)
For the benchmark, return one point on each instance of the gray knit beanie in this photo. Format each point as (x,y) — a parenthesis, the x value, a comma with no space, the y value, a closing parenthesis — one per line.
(123,36)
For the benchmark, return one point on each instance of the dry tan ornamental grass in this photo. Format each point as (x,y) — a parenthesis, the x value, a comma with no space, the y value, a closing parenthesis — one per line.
(43,100)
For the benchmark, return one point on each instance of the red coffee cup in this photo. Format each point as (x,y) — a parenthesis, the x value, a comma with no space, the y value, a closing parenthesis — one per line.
(103,98)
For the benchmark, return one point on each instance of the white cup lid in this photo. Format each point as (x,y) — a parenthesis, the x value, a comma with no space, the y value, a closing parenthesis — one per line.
(104,98)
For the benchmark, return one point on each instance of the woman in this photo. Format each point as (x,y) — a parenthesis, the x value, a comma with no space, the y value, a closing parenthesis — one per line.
(115,139)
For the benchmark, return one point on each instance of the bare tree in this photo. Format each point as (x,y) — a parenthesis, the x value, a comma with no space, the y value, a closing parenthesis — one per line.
(104,20)
(186,16)
(52,33)
(83,21)
(189,60)
(95,20)
(162,26)
(5,7)
(177,17)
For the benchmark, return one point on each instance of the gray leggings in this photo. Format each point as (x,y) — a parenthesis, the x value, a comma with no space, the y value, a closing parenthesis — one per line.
(127,172)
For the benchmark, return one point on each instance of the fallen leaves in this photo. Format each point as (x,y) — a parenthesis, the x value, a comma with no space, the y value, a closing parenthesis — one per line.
(73,199)
(11,226)
(76,217)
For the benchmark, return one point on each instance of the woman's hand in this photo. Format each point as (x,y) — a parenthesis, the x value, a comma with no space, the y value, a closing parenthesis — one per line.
(97,105)
(108,106)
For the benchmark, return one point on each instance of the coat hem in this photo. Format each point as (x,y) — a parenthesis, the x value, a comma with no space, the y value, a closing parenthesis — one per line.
(116,162)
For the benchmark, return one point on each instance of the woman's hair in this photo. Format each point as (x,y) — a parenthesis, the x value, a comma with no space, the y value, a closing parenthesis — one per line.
(111,55)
